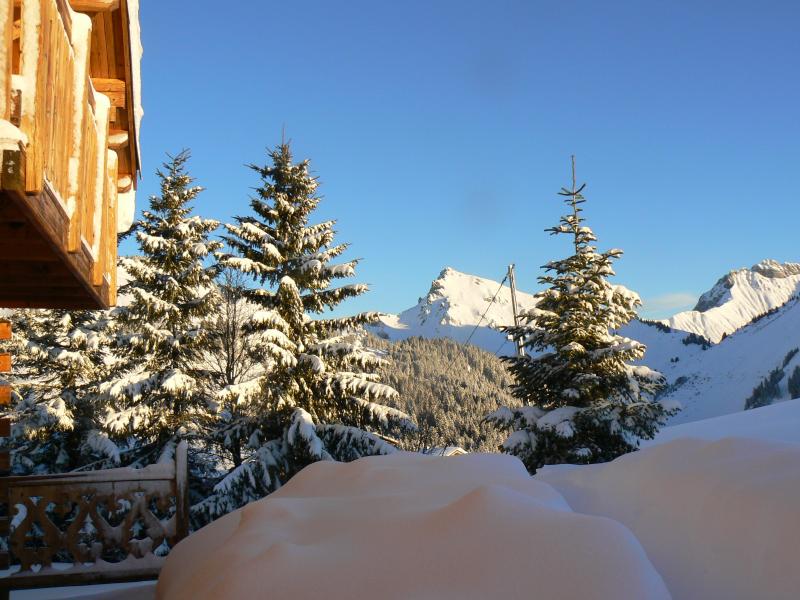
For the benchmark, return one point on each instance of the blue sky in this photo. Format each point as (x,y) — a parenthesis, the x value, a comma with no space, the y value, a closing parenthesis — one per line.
(441,130)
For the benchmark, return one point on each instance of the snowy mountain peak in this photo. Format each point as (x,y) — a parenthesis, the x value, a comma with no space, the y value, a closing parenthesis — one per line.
(454,305)
(774,269)
(739,297)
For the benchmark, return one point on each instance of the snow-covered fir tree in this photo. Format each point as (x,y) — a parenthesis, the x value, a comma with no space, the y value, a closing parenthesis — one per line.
(59,356)
(320,397)
(156,393)
(583,400)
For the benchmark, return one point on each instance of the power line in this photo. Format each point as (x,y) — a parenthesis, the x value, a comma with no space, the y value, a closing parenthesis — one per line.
(504,342)
(488,306)
(483,316)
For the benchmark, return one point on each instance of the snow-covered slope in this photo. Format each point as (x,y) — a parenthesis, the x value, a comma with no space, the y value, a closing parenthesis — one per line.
(753,318)
(452,308)
(738,297)
(718,380)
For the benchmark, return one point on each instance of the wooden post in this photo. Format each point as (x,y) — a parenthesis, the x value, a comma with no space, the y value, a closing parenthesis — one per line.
(182,490)
(35,33)
(6,59)
(512,281)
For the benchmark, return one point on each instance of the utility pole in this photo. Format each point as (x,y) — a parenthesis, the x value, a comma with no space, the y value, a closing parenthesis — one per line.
(512,281)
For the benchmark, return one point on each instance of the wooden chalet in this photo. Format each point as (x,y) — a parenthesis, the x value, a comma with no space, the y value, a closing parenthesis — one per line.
(69,124)
(69,163)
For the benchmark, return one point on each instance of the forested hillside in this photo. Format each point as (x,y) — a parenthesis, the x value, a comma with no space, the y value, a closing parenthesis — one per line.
(448,388)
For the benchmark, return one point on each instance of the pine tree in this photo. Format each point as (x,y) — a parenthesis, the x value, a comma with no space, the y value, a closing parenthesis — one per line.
(320,398)
(583,400)
(59,356)
(156,393)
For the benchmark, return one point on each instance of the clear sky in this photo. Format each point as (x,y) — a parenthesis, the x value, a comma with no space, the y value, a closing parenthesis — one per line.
(441,130)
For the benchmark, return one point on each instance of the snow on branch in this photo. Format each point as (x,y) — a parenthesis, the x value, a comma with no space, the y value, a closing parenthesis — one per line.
(384,417)
(350,443)
(360,384)
(302,437)
(314,362)
(99,443)
(271,319)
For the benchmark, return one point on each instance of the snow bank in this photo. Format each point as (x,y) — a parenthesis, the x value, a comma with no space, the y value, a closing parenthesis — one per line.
(411,526)
(717,518)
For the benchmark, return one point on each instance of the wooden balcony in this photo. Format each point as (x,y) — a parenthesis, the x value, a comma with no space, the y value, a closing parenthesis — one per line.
(68,140)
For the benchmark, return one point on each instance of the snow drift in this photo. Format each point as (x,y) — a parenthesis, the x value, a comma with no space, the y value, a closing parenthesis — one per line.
(411,526)
(717,518)
(716,515)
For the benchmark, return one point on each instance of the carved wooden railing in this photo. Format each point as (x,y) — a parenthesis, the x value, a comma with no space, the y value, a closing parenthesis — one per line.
(46,92)
(96,526)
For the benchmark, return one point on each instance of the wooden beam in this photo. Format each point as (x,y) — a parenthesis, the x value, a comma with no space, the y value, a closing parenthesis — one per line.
(37,252)
(124,183)
(5,362)
(29,301)
(51,293)
(45,214)
(5,329)
(31,279)
(5,427)
(35,286)
(115,89)
(94,6)
(5,394)
(134,168)
(20,271)
(117,138)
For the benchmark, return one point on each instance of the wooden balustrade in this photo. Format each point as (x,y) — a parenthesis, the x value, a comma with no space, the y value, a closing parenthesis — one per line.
(99,525)
(65,161)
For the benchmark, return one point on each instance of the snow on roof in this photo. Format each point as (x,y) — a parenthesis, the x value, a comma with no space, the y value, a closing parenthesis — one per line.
(446,451)
(136,69)
(411,526)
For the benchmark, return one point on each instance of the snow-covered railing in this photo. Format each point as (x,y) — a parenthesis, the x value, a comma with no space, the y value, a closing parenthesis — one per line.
(96,526)
(61,126)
